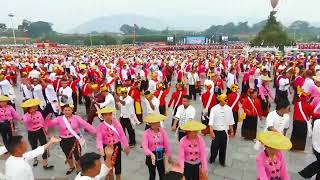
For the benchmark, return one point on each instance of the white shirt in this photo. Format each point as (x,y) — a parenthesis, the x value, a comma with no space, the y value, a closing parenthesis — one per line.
(103,173)
(284,84)
(156,103)
(231,79)
(112,87)
(124,74)
(308,83)
(108,101)
(52,76)
(221,117)
(34,74)
(152,86)
(277,122)
(38,94)
(19,168)
(51,93)
(73,70)
(316,135)
(256,73)
(192,80)
(27,93)
(67,92)
(259,84)
(127,110)
(185,114)
(142,74)
(7,89)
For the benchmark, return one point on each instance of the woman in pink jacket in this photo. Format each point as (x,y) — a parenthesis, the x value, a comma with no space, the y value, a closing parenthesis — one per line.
(271,163)
(69,131)
(7,115)
(110,132)
(192,155)
(156,145)
(35,125)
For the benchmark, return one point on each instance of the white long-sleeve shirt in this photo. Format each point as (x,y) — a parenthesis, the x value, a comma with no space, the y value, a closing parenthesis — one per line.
(7,89)
(192,79)
(156,103)
(19,167)
(66,92)
(221,117)
(127,110)
(108,101)
(38,94)
(185,114)
(103,173)
(316,136)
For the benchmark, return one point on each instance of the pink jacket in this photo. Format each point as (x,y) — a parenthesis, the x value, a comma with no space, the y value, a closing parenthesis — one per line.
(151,141)
(8,113)
(106,136)
(266,169)
(188,152)
(33,122)
(265,91)
(315,93)
(76,123)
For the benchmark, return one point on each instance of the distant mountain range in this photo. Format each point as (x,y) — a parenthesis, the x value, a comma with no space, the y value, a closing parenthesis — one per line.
(200,24)
(113,23)
(193,23)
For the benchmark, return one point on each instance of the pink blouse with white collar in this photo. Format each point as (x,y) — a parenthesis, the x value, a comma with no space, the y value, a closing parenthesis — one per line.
(76,123)
(193,152)
(33,122)
(106,136)
(151,141)
(267,169)
(8,113)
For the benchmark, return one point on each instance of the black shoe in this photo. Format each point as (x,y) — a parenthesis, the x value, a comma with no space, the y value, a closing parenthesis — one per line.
(35,163)
(211,161)
(303,175)
(70,171)
(47,167)
(132,145)
(223,164)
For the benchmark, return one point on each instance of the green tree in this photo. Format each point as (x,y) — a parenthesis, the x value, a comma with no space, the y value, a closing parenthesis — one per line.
(39,29)
(272,34)
(101,40)
(3,27)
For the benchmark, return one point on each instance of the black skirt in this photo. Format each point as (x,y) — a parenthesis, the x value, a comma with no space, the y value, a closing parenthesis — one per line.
(249,128)
(299,135)
(117,165)
(67,145)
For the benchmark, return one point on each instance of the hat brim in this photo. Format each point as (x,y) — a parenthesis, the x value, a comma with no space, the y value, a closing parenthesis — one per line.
(154,118)
(106,110)
(274,140)
(31,103)
(193,125)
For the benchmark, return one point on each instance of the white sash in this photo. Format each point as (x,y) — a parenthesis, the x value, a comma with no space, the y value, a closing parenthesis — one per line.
(81,140)
(174,107)
(309,126)
(160,94)
(205,110)
(316,108)
(210,99)
(254,107)
(112,128)
(236,101)
(66,122)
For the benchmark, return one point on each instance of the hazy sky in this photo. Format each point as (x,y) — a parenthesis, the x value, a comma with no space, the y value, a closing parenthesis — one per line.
(67,14)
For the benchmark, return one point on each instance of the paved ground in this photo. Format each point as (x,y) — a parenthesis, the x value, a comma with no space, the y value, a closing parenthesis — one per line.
(240,156)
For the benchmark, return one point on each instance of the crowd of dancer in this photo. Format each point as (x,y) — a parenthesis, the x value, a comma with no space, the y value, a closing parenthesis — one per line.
(234,89)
